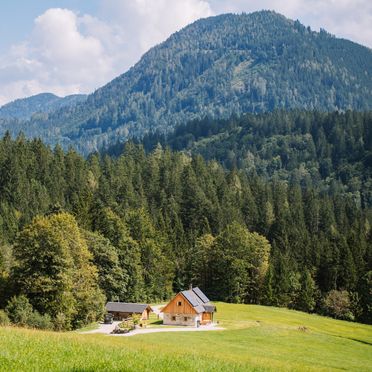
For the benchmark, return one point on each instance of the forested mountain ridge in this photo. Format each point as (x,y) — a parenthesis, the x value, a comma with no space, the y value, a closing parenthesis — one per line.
(219,66)
(331,151)
(41,103)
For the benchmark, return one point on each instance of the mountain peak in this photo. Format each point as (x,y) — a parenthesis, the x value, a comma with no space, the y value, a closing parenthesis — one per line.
(24,108)
(220,66)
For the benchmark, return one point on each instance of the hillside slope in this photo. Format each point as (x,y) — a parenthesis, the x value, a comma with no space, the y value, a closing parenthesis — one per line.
(256,338)
(229,64)
(41,103)
(332,151)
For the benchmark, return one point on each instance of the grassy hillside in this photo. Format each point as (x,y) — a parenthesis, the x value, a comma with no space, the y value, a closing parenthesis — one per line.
(256,338)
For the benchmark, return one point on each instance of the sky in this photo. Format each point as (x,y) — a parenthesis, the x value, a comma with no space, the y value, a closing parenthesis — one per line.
(76,46)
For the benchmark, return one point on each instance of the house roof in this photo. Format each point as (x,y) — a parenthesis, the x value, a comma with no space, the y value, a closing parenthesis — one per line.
(200,294)
(124,307)
(198,300)
(210,308)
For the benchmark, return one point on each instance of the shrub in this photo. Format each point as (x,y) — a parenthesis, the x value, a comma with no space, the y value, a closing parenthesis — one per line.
(136,319)
(337,304)
(61,322)
(36,320)
(127,324)
(4,319)
(19,310)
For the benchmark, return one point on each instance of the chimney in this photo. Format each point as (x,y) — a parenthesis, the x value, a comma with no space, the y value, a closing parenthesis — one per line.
(190,286)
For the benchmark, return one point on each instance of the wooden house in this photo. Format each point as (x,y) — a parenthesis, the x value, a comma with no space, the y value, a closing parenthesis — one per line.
(189,308)
(123,310)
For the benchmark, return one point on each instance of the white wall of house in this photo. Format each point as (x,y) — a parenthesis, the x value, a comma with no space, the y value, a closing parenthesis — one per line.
(181,319)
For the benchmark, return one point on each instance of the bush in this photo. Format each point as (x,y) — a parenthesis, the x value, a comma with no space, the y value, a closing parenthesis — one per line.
(127,324)
(36,320)
(4,319)
(20,312)
(136,319)
(337,304)
(61,322)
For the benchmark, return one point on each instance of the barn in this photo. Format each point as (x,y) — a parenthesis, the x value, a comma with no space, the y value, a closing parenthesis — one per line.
(189,308)
(124,310)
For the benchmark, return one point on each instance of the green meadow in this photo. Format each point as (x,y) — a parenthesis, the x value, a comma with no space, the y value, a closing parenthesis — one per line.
(256,338)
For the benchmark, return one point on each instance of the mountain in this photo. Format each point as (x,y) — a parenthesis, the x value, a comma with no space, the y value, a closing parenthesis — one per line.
(41,103)
(216,67)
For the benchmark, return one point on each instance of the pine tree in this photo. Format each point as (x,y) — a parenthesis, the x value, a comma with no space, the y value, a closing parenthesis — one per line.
(306,298)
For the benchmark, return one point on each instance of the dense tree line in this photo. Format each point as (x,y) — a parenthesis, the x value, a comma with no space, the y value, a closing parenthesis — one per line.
(43,103)
(139,227)
(330,151)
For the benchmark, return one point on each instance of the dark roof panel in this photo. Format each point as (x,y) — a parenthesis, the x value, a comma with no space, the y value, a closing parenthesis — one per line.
(191,297)
(198,300)
(200,294)
(199,309)
(124,307)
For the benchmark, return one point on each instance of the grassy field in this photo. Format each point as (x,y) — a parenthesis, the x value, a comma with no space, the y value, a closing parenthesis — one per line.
(256,338)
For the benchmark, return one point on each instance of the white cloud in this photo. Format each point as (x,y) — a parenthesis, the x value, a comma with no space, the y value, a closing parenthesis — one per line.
(57,58)
(70,53)
(145,23)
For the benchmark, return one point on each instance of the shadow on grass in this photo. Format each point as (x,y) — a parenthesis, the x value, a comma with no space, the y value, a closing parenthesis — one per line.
(157,322)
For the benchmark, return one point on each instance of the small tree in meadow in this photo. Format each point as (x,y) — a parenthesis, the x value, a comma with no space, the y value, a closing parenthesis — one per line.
(338,305)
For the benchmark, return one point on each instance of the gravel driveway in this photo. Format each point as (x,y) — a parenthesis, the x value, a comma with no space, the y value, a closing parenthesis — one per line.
(171,329)
(108,328)
(103,328)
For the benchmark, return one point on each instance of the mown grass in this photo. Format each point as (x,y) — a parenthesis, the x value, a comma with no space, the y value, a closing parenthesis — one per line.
(256,338)
(89,327)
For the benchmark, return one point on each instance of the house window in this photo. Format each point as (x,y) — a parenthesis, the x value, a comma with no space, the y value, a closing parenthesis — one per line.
(179,303)
(185,318)
(173,318)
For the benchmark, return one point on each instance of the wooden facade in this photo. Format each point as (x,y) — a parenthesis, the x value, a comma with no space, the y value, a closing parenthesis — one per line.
(189,308)
(179,305)
(207,317)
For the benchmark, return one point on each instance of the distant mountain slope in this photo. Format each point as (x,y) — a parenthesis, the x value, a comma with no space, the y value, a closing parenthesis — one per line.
(219,66)
(41,103)
(330,151)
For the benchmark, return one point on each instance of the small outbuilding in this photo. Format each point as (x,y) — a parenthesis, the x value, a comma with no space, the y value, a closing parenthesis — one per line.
(189,308)
(124,310)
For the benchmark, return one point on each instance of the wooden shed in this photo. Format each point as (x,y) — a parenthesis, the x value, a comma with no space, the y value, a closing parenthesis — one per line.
(189,308)
(124,310)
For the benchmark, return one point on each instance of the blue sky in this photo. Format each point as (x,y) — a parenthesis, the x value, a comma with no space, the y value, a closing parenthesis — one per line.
(76,46)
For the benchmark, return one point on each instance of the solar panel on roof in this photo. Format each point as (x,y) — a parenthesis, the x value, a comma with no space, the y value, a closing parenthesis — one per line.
(190,296)
(200,294)
(199,309)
